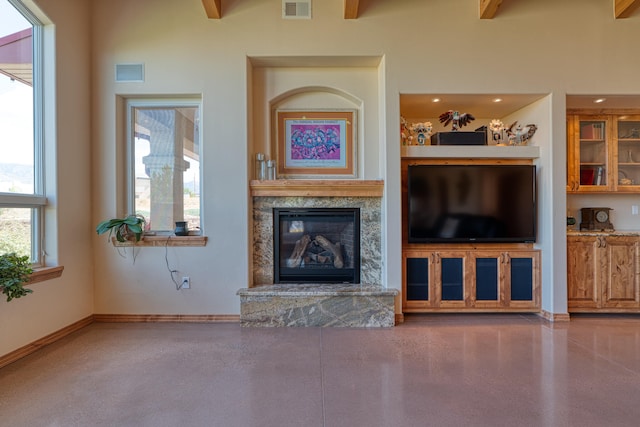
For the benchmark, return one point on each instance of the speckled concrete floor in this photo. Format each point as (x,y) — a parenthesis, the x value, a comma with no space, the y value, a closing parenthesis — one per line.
(434,370)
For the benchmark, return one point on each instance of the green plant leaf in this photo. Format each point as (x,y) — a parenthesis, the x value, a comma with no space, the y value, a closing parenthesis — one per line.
(15,271)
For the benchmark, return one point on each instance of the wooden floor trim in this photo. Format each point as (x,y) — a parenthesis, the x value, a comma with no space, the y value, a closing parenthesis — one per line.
(44,341)
(555,317)
(158,318)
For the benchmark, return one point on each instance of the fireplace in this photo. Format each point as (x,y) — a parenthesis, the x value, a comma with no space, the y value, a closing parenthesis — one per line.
(285,301)
(316,245)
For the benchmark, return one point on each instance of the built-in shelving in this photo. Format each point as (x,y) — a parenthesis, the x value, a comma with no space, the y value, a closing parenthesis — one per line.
(471,151)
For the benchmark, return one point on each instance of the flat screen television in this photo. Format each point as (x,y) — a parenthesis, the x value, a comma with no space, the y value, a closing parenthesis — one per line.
(471,203)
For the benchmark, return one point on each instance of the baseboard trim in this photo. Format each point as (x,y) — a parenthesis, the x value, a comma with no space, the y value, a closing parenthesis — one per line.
(44,341)
(555,317)
(159,318)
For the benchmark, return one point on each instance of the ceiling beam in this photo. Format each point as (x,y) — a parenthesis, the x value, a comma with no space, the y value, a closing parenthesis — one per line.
(624,8)
(351,9)
(488,8)
(213,8)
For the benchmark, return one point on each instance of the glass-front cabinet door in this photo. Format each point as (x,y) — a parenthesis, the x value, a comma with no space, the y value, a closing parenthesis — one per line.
(628,152)
(591,154)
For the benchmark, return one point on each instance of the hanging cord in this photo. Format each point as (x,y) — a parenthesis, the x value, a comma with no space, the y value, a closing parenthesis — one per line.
(172,272)
(133,251)
(122,251)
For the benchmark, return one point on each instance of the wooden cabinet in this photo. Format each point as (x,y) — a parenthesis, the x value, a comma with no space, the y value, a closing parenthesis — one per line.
(603,273)
(591,167)
(627,154)
(583,271)
(467,277)
(478,279)
(603,153)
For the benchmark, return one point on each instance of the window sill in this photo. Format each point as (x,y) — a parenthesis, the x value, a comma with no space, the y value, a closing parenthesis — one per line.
(42,274)
(150,241)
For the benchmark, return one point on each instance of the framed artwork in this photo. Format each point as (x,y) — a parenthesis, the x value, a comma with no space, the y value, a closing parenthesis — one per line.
(316,143)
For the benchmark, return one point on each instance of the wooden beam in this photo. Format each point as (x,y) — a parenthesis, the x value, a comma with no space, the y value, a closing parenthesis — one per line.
(351,9)
(488,8)
(624,8)
(213,8)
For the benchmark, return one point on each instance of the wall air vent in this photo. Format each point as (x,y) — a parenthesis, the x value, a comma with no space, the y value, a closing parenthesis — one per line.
(300,9)
(129,72)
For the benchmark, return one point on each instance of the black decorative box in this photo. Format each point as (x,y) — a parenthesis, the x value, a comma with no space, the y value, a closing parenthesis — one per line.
(459,138)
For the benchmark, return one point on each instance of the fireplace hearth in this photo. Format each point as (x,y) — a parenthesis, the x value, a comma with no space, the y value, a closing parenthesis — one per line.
(316,245)
(364,303)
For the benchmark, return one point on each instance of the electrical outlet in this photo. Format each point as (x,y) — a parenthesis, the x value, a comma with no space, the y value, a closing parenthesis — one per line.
(634,209)
(186,283)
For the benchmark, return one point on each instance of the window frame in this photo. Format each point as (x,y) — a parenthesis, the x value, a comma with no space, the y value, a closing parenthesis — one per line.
(149,101)
(37,200)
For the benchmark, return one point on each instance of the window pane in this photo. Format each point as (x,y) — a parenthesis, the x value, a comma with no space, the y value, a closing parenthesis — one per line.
(16,102)
(167,165)
(16,230)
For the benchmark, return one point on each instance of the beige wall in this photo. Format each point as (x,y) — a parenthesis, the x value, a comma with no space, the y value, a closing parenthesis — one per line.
(436,46)
(545,47)
(60,302)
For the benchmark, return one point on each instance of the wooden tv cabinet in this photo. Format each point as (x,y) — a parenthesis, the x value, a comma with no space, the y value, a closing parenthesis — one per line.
(468,277)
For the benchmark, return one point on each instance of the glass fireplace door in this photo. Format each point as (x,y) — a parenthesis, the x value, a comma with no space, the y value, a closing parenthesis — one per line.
(316,245)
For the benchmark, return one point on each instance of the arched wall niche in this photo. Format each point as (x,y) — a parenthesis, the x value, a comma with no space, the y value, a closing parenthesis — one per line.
(316,85)
(314,98)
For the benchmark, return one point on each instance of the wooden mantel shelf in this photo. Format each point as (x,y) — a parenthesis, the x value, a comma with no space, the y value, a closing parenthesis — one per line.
(317,188)
(471,151)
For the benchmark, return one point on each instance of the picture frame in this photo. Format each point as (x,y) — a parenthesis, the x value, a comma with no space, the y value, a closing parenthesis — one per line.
(316,143)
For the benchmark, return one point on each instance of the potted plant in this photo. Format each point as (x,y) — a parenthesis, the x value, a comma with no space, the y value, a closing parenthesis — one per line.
(15,271)
(129,228)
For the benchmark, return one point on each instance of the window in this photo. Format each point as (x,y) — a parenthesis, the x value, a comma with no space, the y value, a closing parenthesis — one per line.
(164,160)
(21,185)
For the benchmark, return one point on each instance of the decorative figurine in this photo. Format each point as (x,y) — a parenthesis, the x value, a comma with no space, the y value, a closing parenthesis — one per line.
(496,127)
(422,131)
(456,119)
(521,135)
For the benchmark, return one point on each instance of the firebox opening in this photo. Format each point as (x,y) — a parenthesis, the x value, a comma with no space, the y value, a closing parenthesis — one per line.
(316,245)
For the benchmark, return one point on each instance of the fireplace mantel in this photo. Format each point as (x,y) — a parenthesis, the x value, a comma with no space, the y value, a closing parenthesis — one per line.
(316,188)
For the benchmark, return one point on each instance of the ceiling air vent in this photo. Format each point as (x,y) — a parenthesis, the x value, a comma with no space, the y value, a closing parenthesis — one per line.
(300,9)
(129,72)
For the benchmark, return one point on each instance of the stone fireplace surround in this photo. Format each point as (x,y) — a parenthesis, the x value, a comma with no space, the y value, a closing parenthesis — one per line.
(366,304)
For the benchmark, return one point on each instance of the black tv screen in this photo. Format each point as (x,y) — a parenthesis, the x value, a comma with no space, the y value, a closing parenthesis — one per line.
(471,203)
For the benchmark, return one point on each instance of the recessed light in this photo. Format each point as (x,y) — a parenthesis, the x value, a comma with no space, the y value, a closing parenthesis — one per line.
(599,100)
(497,99)
(435,100)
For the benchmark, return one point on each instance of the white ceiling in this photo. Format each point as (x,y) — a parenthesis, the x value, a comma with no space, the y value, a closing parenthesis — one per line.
(415,106)
(421,106)
(610,101)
